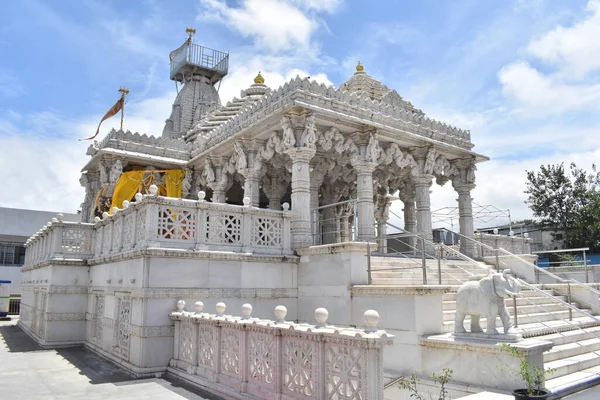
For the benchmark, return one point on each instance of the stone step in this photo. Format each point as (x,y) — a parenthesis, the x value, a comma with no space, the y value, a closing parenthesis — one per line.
(537,329)
(542,317)
(522,311)
(572,336)
(414,281)
(571,383)
(521,301)
(573,364)
(567,350)
(522,293)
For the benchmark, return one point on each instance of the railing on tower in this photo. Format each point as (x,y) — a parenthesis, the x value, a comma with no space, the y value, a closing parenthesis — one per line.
(200,56)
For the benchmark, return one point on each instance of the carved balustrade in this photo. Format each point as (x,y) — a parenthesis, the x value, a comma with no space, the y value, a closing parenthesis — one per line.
(265,359)
(168,223)
(60,240)
(513,244)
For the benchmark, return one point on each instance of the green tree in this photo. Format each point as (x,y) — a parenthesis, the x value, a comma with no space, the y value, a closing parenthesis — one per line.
(567,200)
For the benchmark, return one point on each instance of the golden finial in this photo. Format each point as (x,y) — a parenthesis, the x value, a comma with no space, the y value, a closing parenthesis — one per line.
(259,80)
(359,67)
(123,90)
(191,32)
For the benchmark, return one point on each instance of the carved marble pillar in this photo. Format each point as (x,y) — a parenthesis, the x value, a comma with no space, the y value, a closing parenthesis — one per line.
(406,193)
(423,205)
(463,184)
(381,216)
(316,180)
(275,188)
(364,193)
(219,186)
(301,229)
(331,196)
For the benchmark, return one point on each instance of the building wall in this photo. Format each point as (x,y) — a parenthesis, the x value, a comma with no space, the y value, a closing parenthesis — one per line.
(16,226)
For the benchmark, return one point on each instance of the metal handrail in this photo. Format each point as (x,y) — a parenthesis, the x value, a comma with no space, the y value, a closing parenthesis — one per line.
(539,270)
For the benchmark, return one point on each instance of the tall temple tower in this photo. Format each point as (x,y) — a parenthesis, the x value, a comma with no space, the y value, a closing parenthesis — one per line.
(199,69)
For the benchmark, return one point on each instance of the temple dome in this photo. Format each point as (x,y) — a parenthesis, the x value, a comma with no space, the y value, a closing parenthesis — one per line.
(363,85)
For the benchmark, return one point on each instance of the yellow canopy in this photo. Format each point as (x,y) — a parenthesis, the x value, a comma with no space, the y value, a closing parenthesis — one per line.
(127,186)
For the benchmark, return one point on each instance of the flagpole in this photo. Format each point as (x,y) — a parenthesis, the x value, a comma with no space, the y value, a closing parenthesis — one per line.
(124,92)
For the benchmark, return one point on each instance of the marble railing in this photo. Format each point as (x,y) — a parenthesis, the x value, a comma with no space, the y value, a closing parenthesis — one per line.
(512,244)
(60,239)
(253,358)
(164,222)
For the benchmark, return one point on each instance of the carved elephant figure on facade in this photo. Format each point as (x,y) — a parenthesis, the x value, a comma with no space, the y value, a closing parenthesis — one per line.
(485,298)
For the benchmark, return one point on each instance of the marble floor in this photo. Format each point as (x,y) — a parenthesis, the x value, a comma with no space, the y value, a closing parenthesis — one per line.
(29,372)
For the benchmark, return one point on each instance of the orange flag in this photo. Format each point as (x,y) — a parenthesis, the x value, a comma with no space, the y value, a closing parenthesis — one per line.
(113,111)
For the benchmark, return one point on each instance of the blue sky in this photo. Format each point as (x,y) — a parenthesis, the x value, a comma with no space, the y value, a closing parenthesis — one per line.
(523,75)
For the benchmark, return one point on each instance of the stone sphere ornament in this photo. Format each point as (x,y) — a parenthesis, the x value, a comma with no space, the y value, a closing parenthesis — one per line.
(104,215)
(511,233)
(246,201)
(280,313)
(221,307)
(59,216)
(495,231)
(286,206)
(181,305)
(125,204)
(198,306)
(371,320)
(115,210)
(246,311)
(138,197)
(321,315)
(201,195)
(526,235)
(97,219)
(153,190)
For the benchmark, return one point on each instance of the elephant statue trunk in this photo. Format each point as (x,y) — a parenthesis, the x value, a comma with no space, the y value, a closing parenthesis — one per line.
(485,298)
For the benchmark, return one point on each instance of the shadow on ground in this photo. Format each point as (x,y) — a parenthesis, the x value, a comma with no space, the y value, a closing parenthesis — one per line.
(16,340)
(96,369)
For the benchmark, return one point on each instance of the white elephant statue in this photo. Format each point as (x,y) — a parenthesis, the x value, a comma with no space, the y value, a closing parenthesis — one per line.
(485,298)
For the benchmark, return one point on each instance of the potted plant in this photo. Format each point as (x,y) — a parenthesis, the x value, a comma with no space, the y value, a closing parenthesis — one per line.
(532,375)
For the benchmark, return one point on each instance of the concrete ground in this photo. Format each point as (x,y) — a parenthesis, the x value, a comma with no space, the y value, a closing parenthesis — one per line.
(28,372)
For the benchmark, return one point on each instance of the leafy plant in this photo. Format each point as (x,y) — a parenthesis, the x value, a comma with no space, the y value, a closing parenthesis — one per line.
(531,374)
(411,383)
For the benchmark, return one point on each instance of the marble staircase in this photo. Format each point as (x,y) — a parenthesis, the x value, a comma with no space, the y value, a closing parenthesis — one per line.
(409,271)
(575,357)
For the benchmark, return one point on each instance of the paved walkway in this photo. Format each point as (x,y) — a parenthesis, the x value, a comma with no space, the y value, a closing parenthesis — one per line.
(28,372)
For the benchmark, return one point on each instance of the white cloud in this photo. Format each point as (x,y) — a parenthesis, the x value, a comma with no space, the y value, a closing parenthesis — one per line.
(546,93)
(275,24)
(574,52)
(575,49)
(45,168)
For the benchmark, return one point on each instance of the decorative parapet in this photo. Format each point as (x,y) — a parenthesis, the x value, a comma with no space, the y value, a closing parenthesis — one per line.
(145,144)
(60,240)
(253,358)
(166,223)
(337,100)
(513,244)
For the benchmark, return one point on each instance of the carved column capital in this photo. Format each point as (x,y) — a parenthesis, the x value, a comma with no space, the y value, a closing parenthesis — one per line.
(300,154)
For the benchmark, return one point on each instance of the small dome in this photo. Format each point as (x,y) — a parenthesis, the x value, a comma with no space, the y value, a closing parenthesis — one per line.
(359,67)
(259,80)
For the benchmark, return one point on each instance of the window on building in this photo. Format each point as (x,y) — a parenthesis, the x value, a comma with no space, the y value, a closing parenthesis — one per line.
(12,254)
(558,236)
